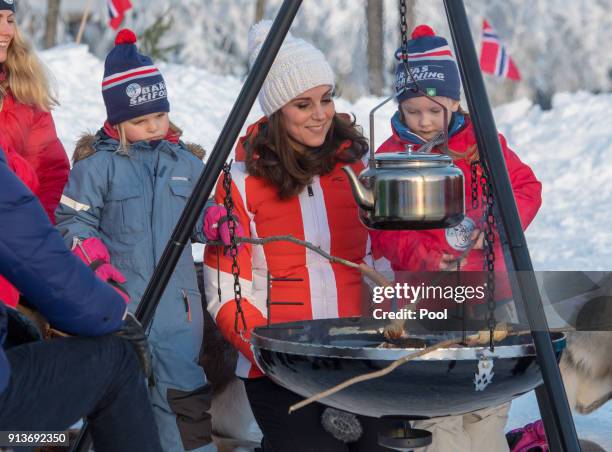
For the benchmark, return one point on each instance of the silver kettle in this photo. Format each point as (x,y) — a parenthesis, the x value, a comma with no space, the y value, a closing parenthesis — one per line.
(408,190)
(404,190)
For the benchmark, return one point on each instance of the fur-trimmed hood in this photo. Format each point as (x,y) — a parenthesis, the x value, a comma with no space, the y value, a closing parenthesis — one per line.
(85,146)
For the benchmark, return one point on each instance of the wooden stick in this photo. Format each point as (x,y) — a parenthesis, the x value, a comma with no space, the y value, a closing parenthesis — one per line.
(366,270)
(310,246)
(84,21)
(370,376)
(378,278)
(290,238)
(394,365)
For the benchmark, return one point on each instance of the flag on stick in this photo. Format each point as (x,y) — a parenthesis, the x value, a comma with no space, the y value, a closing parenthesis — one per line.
(494,59)
(116,11)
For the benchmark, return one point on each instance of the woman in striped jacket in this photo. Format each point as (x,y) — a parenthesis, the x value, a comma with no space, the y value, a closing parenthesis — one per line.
(288,179)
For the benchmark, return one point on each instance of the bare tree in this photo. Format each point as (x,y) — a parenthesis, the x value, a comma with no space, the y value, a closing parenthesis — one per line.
(410,16)
(53,10)
(375,49)
(260,9)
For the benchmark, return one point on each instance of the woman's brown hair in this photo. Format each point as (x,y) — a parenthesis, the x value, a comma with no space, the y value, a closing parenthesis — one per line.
(272,156)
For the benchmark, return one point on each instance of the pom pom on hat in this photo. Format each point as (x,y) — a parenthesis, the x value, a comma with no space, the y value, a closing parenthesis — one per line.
(422,30)
(125,36)
(298,67)
(257,35)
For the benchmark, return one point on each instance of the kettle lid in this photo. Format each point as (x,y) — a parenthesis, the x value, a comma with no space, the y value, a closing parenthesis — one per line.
(411,159)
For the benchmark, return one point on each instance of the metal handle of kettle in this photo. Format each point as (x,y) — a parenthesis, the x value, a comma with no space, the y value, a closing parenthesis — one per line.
(426,148)
(372,145)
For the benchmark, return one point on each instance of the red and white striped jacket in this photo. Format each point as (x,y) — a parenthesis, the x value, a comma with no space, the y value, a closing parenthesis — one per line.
(325,214)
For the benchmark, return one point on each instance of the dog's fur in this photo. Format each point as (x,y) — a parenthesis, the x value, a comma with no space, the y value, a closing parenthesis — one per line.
(586,368)
(234,427)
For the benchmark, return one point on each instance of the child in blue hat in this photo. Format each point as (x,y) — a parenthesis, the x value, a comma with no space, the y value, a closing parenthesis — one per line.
(432,75)
(129,184)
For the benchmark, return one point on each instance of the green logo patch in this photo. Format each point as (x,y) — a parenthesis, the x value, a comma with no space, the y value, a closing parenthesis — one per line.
(431,92)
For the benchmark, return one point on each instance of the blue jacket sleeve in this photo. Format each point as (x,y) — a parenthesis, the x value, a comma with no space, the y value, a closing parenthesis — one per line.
(78,213)
(34,258)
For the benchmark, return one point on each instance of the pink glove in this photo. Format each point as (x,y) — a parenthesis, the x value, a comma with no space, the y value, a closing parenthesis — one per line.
(108,273)
(216,226)
(529,437)
(90,250)
(94,253)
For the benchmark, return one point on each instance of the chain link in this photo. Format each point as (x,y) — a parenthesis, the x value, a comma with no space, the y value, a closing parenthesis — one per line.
(228,202)
(489,251)
(403,56)
(474,183)
(403,30)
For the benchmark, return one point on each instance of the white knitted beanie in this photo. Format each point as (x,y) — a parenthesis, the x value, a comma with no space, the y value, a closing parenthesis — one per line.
(298,67)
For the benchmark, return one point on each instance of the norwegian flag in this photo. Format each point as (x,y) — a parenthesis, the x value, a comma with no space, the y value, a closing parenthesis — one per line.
(116,11)
(494,59)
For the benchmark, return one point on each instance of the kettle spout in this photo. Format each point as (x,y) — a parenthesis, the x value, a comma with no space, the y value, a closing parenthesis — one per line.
(363,196)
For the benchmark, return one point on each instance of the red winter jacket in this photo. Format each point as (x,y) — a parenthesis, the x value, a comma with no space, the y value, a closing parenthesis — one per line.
(8,294)
(324,214)
(31,133)
(420,251)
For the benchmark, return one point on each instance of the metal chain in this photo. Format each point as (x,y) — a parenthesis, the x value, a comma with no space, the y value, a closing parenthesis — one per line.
(474,183)
(404,47)
(228,202)
(489,251)
(403,57)
(403,30)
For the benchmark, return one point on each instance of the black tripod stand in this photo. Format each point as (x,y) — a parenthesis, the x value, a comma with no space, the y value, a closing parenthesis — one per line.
(551,396)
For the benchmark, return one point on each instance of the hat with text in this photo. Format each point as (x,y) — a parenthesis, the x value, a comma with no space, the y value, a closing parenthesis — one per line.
(132,85)
(432,65)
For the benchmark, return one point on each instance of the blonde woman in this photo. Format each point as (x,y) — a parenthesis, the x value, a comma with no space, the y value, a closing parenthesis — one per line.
(27,131)
(26,101)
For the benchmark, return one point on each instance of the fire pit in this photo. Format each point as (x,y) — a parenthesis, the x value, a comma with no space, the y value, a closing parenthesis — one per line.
(311,356)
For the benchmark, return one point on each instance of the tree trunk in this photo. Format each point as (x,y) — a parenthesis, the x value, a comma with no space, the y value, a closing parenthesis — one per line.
(260,9)
(53,10)
(375,49)
(411,13)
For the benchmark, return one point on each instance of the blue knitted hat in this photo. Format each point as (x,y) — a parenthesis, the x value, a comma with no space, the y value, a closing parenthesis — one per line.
(432,66)
(7,4)
(132,85)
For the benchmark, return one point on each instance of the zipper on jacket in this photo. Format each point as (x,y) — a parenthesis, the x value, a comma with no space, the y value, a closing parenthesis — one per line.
(314,206)
(77,242)
(187,305)
(152,228)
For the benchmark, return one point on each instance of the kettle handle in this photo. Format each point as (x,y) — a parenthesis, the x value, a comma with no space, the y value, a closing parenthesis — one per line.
(372,164)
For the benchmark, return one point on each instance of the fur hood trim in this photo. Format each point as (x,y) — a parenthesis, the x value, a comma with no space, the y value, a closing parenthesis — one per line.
(85,148)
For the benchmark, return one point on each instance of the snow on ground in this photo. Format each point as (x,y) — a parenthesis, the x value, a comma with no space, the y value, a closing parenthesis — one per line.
(567,147)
